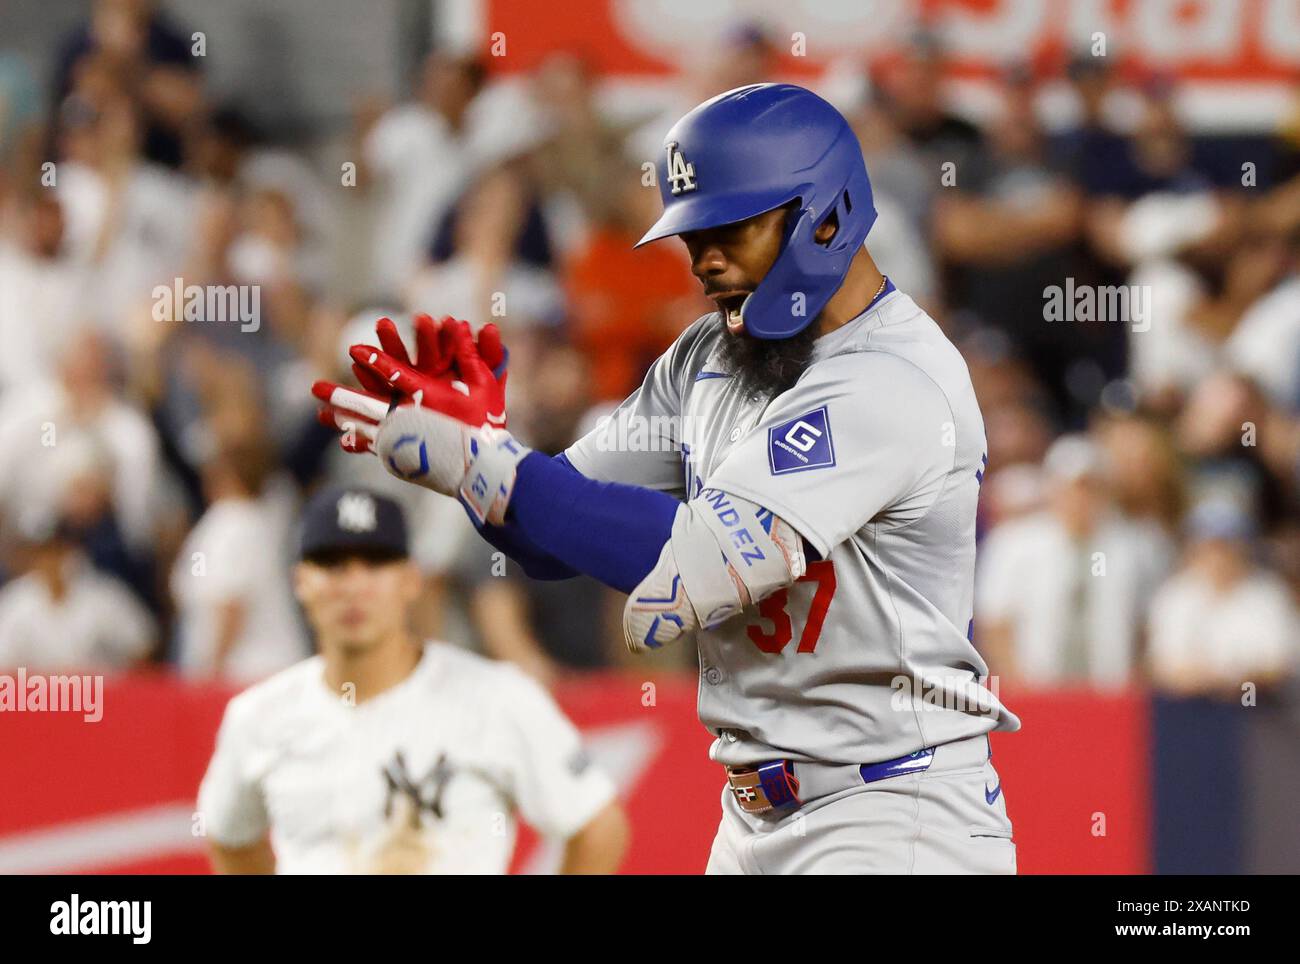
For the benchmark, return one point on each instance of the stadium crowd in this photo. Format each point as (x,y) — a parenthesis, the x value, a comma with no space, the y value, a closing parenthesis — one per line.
(1139,513)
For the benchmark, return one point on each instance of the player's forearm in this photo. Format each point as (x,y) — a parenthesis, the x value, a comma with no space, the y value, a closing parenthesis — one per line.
(598,848)
(536,563)
(685,566)
(612,532)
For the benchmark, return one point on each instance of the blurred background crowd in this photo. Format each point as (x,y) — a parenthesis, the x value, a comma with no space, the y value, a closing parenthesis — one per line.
(1139,514)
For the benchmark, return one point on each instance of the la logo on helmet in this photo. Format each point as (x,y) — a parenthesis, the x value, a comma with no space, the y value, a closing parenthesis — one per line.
(680,173)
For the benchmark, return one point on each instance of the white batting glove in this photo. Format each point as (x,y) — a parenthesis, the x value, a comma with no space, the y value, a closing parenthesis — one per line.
(440,453)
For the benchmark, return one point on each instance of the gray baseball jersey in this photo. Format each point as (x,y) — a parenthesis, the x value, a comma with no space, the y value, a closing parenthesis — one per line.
(875,456)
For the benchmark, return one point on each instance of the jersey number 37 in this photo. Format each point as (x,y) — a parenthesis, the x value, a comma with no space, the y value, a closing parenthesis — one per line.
(775,610)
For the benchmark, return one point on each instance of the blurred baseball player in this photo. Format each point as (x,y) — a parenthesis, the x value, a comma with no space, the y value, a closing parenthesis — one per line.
(385,755)
(793,487)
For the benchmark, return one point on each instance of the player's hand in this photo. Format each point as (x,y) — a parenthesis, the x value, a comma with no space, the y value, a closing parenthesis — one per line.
(475,465)
(431,378)
(357,412)
(426,447)
(470,392)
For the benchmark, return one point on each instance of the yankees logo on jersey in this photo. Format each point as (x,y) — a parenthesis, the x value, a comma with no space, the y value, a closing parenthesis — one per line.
(426,793)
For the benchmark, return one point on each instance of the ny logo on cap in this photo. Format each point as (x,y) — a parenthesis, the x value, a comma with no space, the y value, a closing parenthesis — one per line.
(680,173)
(356,512)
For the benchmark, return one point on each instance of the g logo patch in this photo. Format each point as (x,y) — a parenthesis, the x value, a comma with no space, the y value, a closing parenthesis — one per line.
(801,443)
(803,436)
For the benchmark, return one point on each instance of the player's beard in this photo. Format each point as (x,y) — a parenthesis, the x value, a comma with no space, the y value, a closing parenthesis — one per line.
(766,367)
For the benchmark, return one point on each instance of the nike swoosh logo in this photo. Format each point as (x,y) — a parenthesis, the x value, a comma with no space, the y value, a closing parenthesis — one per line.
(497,419)
(991,795)
(703,375)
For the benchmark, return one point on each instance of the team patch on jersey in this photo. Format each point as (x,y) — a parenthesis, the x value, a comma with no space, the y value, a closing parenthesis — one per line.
(801,443)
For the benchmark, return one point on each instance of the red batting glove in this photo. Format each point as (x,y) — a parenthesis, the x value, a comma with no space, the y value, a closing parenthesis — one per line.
(358,412)
(470,392)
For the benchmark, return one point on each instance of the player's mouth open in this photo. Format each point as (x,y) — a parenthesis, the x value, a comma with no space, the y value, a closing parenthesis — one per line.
(729,303)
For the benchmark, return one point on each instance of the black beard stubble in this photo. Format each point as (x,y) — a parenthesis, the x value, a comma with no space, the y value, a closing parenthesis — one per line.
(766,367)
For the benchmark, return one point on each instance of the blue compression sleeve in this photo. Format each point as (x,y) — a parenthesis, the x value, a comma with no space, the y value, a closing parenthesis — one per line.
(609,531)
(535,561)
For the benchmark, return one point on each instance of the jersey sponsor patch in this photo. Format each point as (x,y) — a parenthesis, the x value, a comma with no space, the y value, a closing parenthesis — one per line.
(801,443)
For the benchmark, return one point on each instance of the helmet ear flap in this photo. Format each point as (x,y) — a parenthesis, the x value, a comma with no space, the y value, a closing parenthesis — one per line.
(837,215)
(833,218)
(794,213)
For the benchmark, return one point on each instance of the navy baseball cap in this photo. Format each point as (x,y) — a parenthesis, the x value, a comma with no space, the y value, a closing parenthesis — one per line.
(353,520)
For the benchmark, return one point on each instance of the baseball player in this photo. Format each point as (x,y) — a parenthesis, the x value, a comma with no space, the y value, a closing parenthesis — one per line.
(385,755)
(793,488)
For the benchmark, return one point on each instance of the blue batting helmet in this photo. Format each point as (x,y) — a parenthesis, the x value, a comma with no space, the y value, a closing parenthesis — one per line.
(754,149)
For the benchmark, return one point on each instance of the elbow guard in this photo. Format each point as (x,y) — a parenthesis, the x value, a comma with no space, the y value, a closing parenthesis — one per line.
(725,554)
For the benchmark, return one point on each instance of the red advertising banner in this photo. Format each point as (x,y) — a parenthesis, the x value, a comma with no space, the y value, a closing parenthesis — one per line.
(117,795)
(1241,41)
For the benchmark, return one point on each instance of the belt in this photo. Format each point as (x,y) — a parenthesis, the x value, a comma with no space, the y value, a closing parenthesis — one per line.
(777,784)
